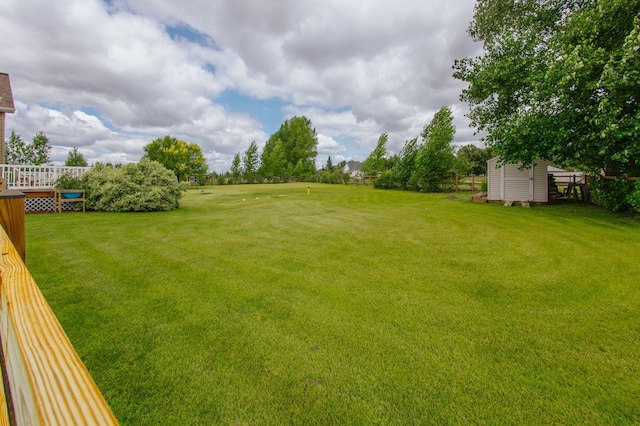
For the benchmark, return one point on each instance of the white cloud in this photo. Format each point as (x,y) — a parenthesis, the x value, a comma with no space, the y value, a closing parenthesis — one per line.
(108,77)
(328,145)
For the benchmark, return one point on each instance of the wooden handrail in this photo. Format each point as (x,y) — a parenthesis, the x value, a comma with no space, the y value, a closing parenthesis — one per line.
(48,383)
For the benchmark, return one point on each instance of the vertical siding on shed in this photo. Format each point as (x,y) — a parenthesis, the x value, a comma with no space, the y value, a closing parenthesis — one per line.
(517,183)
(493,180)
(540,182)
(507,182)
(516,190)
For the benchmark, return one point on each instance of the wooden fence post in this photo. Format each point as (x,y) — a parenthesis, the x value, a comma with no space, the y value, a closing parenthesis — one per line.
(12,219)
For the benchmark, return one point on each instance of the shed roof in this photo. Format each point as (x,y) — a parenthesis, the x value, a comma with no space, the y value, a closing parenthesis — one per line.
(6,97)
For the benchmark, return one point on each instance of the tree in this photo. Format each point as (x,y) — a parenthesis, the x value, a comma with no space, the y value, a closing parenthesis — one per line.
(329,165)
(273,161)
(16,149)
(559,80)
(236,168)
(434,162)
(40,149)
(376,161)
(475,158)
(250,162)
(35,153)
(299,144)
(406,163)
(196,162)
(75,158)
(182,158)
(333,174)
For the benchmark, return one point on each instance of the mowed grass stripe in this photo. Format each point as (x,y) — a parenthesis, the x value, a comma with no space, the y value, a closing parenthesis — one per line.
(257,304)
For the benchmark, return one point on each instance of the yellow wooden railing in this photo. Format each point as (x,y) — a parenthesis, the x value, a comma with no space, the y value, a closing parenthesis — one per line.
(45,382)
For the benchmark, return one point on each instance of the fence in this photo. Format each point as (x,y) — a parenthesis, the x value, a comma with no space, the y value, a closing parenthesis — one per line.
(469,183)
(37,177)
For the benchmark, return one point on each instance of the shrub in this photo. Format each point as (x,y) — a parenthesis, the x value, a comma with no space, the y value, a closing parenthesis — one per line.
(384,181)
(67,181)
(634,197)
(334,177)
(136,187)
(617,195)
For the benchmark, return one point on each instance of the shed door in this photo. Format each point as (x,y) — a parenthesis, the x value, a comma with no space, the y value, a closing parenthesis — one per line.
(517,185)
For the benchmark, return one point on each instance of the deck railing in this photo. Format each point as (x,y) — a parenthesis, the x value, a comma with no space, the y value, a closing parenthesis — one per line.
(37,177)
(45,381)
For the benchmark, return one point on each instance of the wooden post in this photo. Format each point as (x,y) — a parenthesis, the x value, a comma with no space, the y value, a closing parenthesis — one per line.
(456,183)
(12,219)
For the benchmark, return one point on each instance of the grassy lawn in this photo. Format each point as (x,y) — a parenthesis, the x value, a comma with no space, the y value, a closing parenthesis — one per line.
(260,305)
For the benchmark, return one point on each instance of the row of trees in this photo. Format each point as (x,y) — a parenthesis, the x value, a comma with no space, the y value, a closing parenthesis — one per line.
(37,152)
(559,80)
(426,166)
(20,152)
(429,165)
(289,152)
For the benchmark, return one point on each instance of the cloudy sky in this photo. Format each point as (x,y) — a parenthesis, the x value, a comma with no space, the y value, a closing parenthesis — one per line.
(109,76)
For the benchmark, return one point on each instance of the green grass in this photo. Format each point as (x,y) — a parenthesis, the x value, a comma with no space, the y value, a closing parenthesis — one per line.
(351,306)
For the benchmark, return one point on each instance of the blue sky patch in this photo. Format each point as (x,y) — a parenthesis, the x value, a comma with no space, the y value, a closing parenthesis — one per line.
(187,32)
(268,111)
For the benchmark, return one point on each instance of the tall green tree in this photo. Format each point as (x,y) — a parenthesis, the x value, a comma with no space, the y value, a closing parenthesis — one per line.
(182,158)
(236,167)
(376,161)
(329,164)
(35,153)
(299,147)
(403,168)
(558,80)
(273,163)
(75,158)
(434,162)
(17,151)
(41,149)
(250,162)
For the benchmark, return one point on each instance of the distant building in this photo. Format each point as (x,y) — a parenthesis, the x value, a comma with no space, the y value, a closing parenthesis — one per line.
(6,107)
(353,168)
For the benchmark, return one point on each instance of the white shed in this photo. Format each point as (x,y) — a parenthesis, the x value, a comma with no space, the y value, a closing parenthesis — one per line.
(506,182)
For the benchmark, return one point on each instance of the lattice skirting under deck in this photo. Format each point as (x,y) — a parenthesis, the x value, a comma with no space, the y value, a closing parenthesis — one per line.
(45,205)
